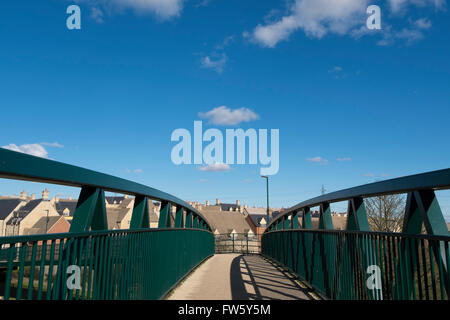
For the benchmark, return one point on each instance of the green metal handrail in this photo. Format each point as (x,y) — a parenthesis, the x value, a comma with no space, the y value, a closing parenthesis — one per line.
(335,262)
(435,180)
(139,263)
(20,166)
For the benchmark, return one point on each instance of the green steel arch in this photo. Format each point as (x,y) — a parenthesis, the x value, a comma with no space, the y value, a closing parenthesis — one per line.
(139,263)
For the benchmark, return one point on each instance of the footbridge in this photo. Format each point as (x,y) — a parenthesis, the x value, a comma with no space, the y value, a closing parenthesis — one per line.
(178,260)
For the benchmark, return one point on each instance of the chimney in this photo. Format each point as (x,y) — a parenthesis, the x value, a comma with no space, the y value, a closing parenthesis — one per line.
(238,203)
(45,194)
(56,198)
(70,197)
(217,202)
(23,195)
(207,203)
(33,196)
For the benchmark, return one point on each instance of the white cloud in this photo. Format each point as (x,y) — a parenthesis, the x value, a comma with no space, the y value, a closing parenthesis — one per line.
(408,35)
(225,43)
(52,144)
(372,175)
(34,149)
(163,9)
(97,15)
(336,69)
(344,159)
(223,116)
(398,6)
(217,65)
(316,18)
(215,167)
(423,23)
(138,171)
(318,160)
(202,3)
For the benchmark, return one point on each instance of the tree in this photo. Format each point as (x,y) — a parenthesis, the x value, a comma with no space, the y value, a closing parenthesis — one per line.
(385,213)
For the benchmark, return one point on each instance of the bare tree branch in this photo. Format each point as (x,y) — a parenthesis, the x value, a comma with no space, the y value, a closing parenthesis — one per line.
(385,213)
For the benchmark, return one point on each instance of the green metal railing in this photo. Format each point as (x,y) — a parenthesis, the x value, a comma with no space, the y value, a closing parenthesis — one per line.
(91,262)
(359,264)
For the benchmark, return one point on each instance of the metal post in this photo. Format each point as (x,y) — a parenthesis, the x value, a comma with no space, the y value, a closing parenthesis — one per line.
(267,194)
(247,243)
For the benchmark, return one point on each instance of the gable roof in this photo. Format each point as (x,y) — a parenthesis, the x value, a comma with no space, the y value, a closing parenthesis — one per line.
(115,216)
(61,205)
(42,226)
(24,211)
(226,221)
(227,206)
(7,206)
(256,211)
(256,218)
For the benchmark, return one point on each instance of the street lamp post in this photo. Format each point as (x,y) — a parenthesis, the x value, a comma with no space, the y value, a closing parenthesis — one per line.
(267,193)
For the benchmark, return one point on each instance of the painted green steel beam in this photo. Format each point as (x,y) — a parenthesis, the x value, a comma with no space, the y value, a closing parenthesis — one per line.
(325,220)
(422,208)
(140,215)
(20,166)
(164,215)
(195,222)
(90,213)
(435,180)
(294,221)
(179,217)
(307,218)
(286,224)
(357,215)
(188,223)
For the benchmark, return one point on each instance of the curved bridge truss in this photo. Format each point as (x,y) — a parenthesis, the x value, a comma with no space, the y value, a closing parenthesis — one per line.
(359,264)
(140,263)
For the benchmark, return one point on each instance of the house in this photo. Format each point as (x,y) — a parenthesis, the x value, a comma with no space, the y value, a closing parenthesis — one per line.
(257,223)
(27,215)
(224,221)
(223,207)
(119,211)
(7,208)
(65,207)
(51,224)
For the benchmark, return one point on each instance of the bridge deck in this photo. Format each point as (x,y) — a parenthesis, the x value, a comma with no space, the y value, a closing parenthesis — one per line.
(238,277)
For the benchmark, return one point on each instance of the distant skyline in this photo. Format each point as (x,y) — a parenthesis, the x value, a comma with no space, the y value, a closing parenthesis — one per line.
(352,106)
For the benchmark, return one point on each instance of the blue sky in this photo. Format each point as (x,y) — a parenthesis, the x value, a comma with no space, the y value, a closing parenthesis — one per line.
(111,94)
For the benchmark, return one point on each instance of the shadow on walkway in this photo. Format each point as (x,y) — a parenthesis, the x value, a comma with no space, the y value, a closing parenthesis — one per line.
(253,278)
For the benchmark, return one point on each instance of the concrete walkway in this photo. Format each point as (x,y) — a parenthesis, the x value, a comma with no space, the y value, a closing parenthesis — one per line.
(237,277)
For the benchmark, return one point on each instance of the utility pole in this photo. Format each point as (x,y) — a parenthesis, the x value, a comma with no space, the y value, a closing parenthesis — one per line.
(267,193)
